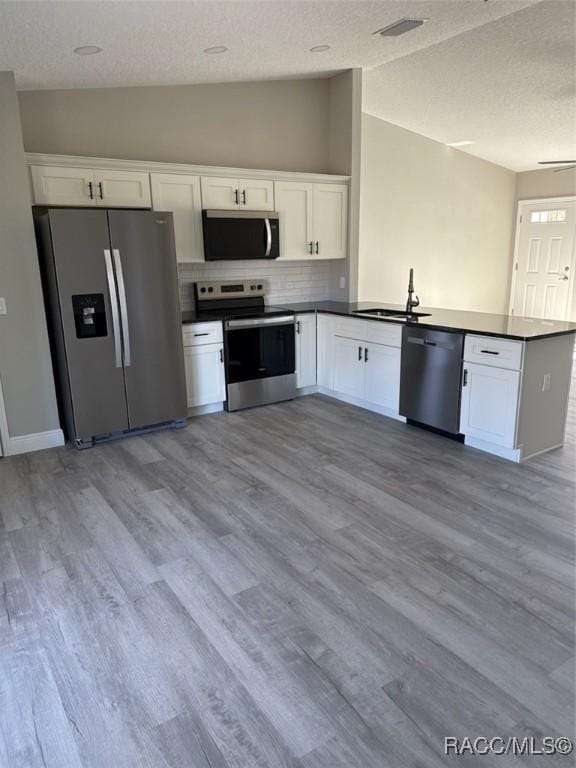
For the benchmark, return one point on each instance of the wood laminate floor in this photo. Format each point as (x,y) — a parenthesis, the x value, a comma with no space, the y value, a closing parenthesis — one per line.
(306,585)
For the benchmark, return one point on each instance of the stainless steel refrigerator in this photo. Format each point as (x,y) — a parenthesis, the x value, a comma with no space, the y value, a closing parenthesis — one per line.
(111,292)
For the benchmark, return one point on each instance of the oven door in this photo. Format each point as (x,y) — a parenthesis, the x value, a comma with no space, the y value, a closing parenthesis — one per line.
(260,361)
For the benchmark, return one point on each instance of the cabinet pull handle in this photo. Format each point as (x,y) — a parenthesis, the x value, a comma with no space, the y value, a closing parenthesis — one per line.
(221,356)
(236,200)
(297,326)
(465,378)
(365,354)
(244,196)
(359,353)
(489,352)
(206,333)
(101,190)
(311,247)
(91,190)
(317,247)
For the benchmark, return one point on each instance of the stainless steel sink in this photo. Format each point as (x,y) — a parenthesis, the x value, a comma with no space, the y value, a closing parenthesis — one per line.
(397,314)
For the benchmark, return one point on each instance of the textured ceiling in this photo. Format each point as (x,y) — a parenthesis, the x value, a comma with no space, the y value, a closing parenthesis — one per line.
(148,43)
(509,86)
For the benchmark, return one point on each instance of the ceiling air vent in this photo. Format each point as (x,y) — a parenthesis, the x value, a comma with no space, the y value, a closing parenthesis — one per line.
(400,27)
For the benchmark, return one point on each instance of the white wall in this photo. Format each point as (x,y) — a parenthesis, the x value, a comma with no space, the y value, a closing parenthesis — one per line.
(445,213)
(532,185)
(281,125)
(25,366)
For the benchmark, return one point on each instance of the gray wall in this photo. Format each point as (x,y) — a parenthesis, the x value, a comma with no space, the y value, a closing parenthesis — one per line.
(280,125)
(25,367)
(545,183)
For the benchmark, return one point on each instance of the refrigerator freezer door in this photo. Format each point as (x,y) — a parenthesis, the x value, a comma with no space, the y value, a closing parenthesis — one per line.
(89,317)
(145,259)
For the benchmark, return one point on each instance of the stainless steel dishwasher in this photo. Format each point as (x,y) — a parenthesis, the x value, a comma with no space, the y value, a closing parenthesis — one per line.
(431,370)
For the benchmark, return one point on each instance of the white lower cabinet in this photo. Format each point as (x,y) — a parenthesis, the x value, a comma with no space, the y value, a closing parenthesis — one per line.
(306,350)
(382,385)
(205,383)
(204,364)
(489,404)
(349,367)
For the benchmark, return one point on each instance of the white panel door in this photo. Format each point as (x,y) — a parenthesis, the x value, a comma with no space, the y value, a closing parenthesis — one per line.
(349,366)
(52,185)
(122,189)
(490,404)
(544,262)
(330,221)
(180,194)
(325,326)
(220,193)
(294,205)
(383,376)
(205,383)
(306,350)
(256,194)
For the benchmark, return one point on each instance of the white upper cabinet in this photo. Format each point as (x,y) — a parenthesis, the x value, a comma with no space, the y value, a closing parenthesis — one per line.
(294,206)
(313,220)
(224,193)
(180,194)
(331,220)
(54,185)
(219,192)
(123,189)
(489,404)
(306,350)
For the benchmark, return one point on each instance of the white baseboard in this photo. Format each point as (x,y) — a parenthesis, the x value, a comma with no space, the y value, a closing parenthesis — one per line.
(201,410)
(512,454)
(34,442)
(367,406)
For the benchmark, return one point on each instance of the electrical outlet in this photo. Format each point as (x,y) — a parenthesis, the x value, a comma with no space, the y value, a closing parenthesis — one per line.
(546,383)
(342,282)
(3,310)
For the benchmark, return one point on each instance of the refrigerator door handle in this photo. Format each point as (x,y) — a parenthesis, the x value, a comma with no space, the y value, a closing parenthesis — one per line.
(123,306)
(114,307)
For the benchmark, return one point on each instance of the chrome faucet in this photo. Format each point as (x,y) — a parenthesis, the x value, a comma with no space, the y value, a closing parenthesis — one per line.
(411,303)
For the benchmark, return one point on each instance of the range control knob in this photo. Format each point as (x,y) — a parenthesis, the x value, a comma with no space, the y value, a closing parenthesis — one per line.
(210,290)
(252,287)
(202,290)
(260,287)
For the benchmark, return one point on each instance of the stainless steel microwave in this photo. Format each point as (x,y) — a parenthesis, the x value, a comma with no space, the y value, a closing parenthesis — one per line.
(234,235)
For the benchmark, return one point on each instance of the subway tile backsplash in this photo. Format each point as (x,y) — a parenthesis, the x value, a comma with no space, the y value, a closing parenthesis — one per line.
(285,281)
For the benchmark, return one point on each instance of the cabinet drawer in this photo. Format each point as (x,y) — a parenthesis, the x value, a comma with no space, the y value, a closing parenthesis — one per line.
(350,328)
(501,353)
(383,333)
(197,334)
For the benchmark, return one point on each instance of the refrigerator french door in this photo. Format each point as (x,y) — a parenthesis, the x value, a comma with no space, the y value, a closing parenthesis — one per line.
(111,291)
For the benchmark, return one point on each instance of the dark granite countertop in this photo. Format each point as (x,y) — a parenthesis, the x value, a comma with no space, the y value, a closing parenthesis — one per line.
(480,323)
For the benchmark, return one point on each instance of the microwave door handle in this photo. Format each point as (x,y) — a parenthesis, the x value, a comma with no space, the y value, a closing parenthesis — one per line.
(268,238)
(123,306)
(113,307)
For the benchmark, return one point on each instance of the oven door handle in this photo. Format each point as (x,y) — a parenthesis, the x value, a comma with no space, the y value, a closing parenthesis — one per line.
(259,321)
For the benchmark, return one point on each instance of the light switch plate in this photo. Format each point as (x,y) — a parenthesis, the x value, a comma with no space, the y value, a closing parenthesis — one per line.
(3,310)
(342,282)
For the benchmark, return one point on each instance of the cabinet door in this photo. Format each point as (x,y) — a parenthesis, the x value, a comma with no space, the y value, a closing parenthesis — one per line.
(204,375)
(349,366)
(53,185)
(306,350)
(220,193)
(489,404)
(330,221)
(256,194)
(294,204)
(325,350)
(122,189)
(180,195)
(382,385)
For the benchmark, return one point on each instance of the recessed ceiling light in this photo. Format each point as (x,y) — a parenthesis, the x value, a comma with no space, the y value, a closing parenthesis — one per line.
(320,48)
(87,50)
(216,49)
(460,143)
